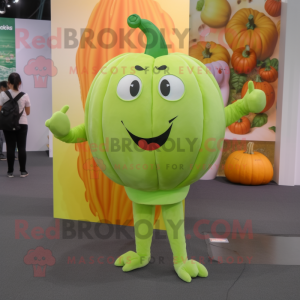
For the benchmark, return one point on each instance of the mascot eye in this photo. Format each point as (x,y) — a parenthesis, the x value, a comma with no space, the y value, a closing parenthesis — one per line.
(171,88)
(129,87)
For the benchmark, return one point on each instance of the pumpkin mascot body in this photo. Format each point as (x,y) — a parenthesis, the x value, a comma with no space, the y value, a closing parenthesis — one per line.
(164,127)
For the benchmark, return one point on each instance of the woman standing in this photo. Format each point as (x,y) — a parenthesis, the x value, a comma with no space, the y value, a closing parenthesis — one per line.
(17,137)
(3,88)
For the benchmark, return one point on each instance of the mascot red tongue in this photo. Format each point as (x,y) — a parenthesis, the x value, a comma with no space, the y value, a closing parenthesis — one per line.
(145,146)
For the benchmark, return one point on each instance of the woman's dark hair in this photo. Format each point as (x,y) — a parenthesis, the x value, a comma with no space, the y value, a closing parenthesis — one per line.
(15,80)
(3,84)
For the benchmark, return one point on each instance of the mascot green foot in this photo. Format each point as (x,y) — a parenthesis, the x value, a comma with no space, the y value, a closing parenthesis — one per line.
(131,261)
(190,269)
(174,221)
(143,227)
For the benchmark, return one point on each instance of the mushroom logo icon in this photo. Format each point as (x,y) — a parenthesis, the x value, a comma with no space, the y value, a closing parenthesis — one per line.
(39,258)
(40,68)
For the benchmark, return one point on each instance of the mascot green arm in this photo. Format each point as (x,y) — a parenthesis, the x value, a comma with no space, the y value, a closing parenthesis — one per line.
(59,125)
(254,101)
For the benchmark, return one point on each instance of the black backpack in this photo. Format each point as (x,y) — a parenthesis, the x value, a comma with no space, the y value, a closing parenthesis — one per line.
(9,114)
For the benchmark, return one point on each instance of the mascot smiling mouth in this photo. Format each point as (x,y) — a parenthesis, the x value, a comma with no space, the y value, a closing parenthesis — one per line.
(151,143)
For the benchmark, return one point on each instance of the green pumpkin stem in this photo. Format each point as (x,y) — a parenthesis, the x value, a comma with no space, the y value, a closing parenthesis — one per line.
(250,24)
(206,53)
(250,148)
(156,44)
(246,52)
(258,79)
(240,121)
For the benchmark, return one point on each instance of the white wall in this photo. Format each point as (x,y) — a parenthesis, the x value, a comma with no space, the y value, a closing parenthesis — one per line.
(287,147)
(297,164)
(41,97)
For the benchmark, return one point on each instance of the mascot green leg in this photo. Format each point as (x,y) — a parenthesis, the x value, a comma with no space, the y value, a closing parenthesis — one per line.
(174,221)
(143,228)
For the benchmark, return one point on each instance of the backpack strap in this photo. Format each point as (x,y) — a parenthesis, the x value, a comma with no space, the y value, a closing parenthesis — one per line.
(8,94)
(19,96)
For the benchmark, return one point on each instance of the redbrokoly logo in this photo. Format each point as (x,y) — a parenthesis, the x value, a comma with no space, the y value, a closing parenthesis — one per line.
(39,258)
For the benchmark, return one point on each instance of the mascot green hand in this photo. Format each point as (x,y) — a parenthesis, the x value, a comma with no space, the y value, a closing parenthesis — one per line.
(59,124)
(164,118)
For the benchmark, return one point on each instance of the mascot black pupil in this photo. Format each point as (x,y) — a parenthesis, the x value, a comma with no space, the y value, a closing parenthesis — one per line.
(134,88)
(165,87)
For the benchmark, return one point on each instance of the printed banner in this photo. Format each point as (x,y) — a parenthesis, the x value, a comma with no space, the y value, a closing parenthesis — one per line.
(25,49)
(34,64)
(81,190)
(7,48)
(239,41)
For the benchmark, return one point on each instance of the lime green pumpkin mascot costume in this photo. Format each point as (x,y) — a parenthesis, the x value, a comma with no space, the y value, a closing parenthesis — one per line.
(169,110)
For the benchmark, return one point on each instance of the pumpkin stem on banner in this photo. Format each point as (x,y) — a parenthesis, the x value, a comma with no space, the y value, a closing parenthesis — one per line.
(200,5)
(246,52)
(258,78)
(206,53)
(156,44)
(250,148)
(250,24)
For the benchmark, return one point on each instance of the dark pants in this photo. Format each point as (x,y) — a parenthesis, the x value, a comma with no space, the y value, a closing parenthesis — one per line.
(14,138)
(2,140)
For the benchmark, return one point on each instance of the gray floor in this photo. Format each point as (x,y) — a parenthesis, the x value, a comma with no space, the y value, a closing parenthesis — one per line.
(271,209)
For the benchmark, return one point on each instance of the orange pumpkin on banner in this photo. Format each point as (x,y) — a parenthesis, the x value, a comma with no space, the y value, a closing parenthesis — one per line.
(253,28)
(268,73)
(242,126)
(243,60)
(208,52)
(273,7)
(107,199)
(265,87)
